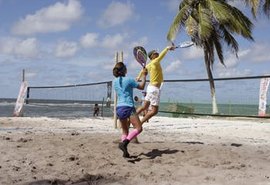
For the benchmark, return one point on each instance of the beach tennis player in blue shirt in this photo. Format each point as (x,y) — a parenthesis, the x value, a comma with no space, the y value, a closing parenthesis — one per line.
(125,108)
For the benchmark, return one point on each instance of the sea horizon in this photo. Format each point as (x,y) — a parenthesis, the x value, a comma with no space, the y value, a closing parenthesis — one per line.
(82,108)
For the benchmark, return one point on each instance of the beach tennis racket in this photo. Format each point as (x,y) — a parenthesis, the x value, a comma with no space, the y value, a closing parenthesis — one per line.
(140,55)
(185,44)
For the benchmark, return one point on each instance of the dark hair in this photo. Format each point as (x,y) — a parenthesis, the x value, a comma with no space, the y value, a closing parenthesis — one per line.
(119,69)
(151,53)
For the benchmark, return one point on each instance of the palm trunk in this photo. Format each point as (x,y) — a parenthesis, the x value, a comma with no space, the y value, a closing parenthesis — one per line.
(212,85)
(214,102)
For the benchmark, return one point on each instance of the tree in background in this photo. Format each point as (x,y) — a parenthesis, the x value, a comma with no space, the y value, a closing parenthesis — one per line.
(211,24)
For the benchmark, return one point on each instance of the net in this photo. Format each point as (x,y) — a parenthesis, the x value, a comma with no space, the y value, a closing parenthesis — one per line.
(70,100)
(234,96)
(92,92)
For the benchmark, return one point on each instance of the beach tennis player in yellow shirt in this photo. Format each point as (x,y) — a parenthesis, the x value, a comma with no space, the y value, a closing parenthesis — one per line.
(156,79)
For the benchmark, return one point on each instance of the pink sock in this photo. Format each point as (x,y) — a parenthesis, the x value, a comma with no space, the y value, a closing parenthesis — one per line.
(123,137)
(133,134)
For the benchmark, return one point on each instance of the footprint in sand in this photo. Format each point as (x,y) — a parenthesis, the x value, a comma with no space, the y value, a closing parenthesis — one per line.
(236,144)
(24,140)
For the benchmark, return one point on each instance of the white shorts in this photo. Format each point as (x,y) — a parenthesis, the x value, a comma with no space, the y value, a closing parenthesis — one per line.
(153,95)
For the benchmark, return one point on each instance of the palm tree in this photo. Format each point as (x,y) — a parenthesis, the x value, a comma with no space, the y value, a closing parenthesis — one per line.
(258,5)
(211,24)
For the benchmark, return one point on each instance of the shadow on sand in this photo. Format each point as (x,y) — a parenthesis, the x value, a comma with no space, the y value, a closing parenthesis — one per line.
(151,155)
(88,179)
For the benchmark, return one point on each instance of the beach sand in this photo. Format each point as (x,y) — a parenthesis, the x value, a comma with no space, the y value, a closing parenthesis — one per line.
(171,151)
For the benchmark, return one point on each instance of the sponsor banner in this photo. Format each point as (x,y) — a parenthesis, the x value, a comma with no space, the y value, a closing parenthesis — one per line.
(20,100)
(263,96)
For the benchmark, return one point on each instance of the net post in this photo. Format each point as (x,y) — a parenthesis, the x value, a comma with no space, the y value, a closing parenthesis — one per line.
(109,94)
(27,95)
(23,75)
(102,107)
(121,57)
(115,97)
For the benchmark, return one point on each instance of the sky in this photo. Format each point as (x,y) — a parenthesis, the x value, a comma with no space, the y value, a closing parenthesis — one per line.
(63,42)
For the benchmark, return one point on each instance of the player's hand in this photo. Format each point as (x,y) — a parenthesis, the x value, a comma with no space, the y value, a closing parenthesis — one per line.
(171,47)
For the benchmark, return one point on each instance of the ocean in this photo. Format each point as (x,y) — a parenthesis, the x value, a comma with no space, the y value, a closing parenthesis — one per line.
(54,109)
(62,109)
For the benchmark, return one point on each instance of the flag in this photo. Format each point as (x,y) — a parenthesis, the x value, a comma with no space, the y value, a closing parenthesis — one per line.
(263,95)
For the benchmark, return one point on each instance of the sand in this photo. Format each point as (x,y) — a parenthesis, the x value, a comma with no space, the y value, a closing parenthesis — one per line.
(171,151)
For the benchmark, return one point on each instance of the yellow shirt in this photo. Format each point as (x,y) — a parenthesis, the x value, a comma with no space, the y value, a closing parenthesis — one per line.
(155,70)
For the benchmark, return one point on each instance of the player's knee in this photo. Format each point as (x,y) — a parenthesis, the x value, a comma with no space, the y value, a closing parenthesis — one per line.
(145,107)
(155,111)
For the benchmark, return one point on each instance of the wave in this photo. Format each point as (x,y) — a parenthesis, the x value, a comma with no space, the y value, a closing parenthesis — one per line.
(58,105)
(7,103)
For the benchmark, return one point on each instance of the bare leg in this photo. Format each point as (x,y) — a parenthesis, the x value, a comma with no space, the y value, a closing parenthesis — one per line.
(135,121)
(144,113)
(125,126)
(150,114)
(144,107)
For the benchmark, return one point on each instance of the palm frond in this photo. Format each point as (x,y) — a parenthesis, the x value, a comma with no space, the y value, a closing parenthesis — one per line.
(237,22)
(178,22)
(219,49)
(205,24)
(220,11)
(244,24)
(254,4)
(191,26)
(266,8)
(229,40)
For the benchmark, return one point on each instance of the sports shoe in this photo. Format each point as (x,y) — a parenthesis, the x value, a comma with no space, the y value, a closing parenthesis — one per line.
(123,146)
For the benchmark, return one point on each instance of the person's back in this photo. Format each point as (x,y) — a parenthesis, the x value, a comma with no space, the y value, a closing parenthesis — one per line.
(124,90)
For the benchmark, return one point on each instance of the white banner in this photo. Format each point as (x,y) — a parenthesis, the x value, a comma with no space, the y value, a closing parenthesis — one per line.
(20,100)
(263,96)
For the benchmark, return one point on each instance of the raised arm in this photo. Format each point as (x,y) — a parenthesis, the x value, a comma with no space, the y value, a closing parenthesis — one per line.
(163,53)
(143,79)
(139,75)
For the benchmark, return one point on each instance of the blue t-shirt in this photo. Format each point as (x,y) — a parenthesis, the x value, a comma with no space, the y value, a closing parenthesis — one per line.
(124,90)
